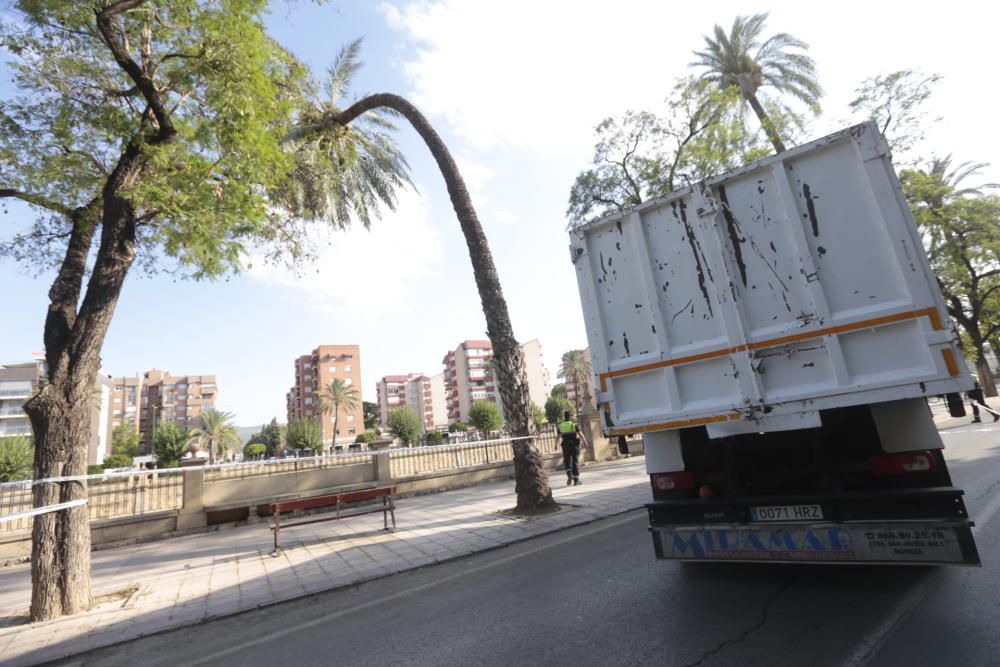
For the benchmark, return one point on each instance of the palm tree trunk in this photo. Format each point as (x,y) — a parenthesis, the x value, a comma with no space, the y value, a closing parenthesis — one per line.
(531,480)
(766,123)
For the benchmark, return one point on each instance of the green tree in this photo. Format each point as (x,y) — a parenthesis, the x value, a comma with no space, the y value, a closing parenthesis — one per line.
(403,423)
(272,436)
(371,414)
(125,440)
(254,450)
(744,60)
(151,133)
(894,102)
(531,480)
(170,444)
(458,427)
(367,436)
(16,455)
(576,369)
(117,461)
(305,434)
(555,407)
(434,438)
(538,415)
(961,232)
(216,435)
(485,416)
(559,390)
(701,133)
(335,395)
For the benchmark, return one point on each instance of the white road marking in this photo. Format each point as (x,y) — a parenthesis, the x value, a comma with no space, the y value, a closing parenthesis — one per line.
(260,639)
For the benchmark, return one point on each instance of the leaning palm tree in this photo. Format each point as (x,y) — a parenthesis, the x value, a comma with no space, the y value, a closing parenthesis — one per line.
(335,395)
(743,60)
(217,434)
(575,368)
(324,129)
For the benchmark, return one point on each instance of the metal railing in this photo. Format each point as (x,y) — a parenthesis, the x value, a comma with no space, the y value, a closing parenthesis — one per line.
(110,497)
(440,458)
(249,469)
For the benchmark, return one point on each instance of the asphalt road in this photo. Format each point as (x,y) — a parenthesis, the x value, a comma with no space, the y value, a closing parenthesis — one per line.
(595,595)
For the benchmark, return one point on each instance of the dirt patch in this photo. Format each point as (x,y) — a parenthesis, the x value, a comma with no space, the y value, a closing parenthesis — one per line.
(555,508)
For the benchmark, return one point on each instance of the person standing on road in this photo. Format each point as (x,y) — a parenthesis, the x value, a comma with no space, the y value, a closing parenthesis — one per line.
(975,395)
(571,438)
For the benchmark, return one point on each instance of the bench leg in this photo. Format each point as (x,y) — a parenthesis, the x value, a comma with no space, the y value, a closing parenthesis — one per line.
(392,510)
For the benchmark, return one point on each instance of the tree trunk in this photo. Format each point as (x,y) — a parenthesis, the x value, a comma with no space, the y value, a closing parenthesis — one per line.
(60,413)
(766,123)
(532,485)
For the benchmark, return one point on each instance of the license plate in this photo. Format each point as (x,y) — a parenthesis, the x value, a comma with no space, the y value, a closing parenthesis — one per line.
(786,513)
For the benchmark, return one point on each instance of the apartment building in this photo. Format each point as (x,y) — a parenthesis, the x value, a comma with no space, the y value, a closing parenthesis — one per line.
(313,372)
(468,378)
(586,387)
(20,380)
(422,394)
(157,397)
(391,393)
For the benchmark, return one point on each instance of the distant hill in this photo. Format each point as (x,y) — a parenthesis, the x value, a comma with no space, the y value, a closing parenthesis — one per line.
(246,431)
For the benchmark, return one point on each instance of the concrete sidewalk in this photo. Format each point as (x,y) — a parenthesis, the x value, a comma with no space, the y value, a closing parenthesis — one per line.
(187,580)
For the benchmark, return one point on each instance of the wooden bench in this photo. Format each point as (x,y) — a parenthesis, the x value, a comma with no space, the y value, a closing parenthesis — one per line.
(338,500)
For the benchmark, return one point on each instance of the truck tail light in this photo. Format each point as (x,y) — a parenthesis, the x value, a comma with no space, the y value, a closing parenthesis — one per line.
(903,464)
(673,481)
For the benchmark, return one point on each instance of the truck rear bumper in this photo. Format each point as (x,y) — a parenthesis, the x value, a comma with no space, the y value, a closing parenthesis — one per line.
(913,526)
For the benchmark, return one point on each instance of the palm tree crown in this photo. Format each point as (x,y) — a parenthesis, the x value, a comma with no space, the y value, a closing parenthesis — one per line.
(743,60)
(349,173)
(575,368)
(335,395)
(217,434)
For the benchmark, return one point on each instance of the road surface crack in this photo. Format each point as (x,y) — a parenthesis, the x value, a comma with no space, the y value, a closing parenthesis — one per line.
(743,636)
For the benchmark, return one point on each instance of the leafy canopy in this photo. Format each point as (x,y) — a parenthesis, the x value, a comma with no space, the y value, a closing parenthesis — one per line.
(403,423)
(555,406)
(894,102)
(216,435)
(125,440)
(225,177)
(304,434)
(169,444)
(485,416)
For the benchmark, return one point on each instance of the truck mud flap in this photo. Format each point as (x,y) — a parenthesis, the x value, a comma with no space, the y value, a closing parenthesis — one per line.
(916,542)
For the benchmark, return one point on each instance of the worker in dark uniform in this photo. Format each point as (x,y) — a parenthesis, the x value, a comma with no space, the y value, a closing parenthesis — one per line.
(571,438)
(975,396)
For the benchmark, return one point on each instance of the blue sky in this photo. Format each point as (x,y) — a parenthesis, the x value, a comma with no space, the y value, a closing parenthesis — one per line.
(515,89)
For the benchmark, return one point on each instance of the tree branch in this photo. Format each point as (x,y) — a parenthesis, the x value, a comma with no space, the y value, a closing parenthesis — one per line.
(142,81)
(37,200)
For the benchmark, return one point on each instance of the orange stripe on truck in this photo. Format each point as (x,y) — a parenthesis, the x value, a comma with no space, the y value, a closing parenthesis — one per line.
(841,328)
(949,362)
(732,416)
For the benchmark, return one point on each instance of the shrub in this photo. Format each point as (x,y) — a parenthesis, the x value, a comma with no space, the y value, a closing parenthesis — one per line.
(404,424)
(118,461)
(169,444)
(458,427)
(95,469)
(304,434)
(17,457)
(368,436)
(434,437)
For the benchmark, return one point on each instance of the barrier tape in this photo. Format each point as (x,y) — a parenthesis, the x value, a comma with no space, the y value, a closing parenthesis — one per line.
(42,510)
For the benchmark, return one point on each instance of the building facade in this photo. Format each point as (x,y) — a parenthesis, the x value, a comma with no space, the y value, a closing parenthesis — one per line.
(19,381)
(315,371)
(424,395)
(468,378)
(157,397)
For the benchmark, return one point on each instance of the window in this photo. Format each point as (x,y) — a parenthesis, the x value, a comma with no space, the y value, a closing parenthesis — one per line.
(309,400)
(350,418)
(333,369)
(307,365)
(347,369)
(348,381)
(351,431)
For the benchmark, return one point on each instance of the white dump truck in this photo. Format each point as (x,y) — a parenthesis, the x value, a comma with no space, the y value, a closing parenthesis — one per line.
(774,334)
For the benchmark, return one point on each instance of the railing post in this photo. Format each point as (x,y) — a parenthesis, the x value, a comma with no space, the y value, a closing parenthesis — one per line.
(192,514)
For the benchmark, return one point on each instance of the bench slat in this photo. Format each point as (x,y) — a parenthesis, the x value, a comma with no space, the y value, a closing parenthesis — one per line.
(387,507)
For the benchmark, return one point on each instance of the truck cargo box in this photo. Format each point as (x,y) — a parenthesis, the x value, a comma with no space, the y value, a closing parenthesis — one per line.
(751,301)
